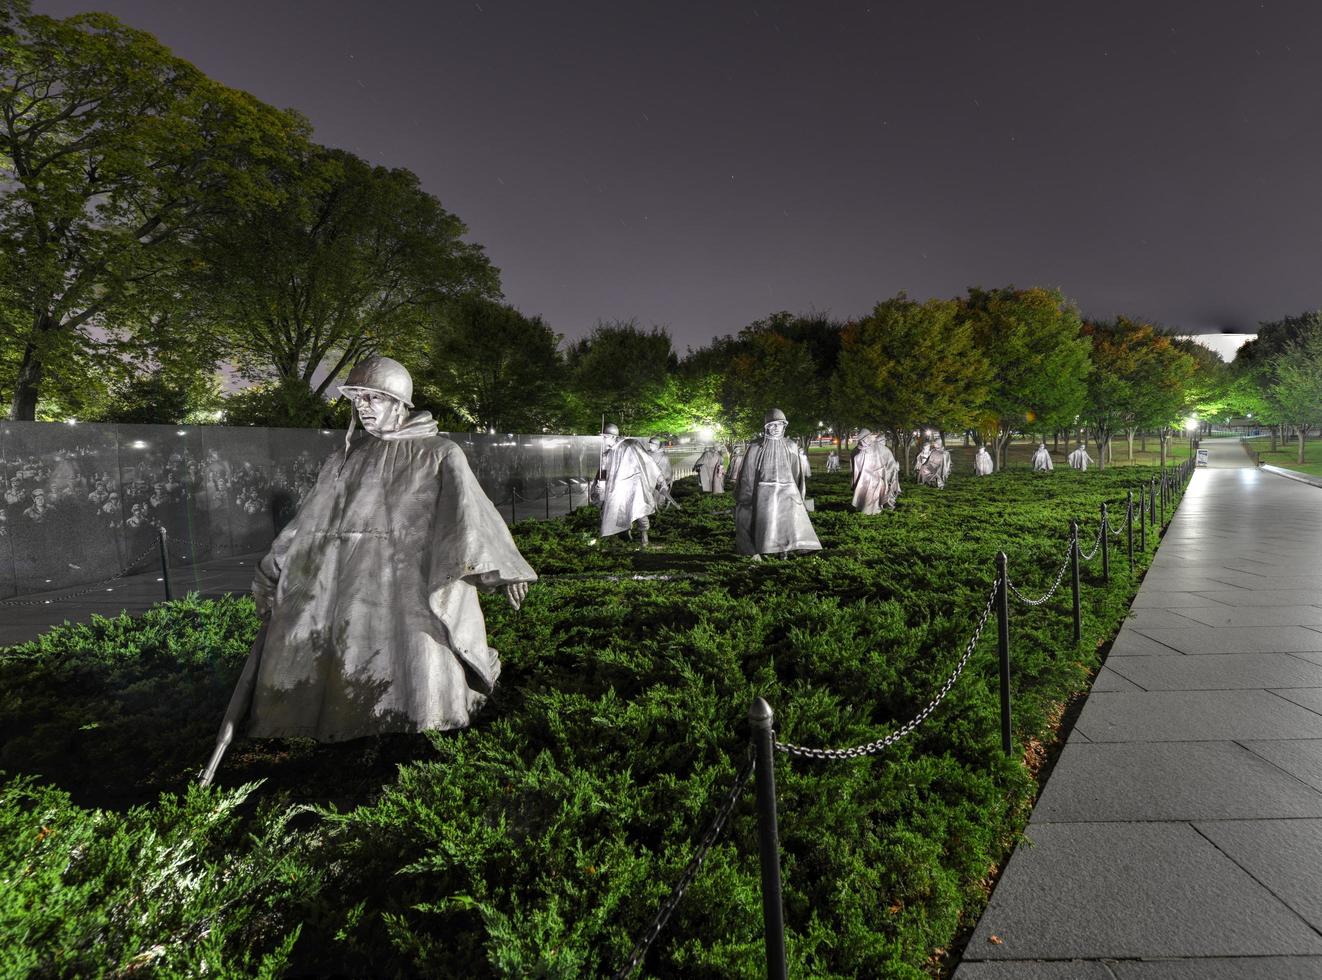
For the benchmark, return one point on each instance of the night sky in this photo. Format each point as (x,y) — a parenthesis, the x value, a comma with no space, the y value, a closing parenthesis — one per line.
(700,165)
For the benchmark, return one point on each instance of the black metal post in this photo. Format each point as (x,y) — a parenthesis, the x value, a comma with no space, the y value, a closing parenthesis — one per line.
(514,497)
(1106,546)
(1142,520)
(1163,501)
(1074,579)
(546,488)
(165,564)
(1003,643)
(1129,527)
(760,717)
(1152,504)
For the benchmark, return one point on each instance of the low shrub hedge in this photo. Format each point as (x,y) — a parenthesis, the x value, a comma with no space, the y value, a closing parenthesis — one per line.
(541,841)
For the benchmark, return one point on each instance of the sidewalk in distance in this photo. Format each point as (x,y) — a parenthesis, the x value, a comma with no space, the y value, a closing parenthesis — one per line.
(1180,833)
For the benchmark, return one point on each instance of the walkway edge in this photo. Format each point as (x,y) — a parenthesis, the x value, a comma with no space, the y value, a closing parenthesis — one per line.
(1312,481)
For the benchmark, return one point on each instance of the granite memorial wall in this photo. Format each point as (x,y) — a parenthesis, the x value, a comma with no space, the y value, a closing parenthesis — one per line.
(80,503)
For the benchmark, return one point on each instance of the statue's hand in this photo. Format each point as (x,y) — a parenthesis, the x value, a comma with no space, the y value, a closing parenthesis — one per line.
(515,592)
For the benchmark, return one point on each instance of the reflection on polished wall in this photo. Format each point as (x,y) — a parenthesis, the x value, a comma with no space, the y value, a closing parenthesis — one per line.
(79,503)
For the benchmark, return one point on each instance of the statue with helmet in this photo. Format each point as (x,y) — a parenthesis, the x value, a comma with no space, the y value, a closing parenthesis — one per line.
(770,517)
(710,468)
(876,474)
(626,485)
(369,596)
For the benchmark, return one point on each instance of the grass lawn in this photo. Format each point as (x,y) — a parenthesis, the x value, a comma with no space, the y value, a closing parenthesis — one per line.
(542,840)
(1286,455)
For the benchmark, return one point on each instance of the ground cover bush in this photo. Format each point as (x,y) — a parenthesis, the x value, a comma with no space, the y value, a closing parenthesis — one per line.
(541,841)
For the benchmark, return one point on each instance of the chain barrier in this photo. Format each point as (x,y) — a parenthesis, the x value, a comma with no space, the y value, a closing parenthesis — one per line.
(871,748)
(91,588)
(1060,577)
(700,855)
(1088,556)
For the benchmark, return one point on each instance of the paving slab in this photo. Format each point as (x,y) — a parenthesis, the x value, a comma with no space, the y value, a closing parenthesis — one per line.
(1218,672)
(1129,642)
(1252,597)
(1233,639)
(1194,716)
(1108,679)
(1284,855)
(1312,656)
(1153,617)
(1307,697)
(1222,615)
(1123,781)
(1220,968)
(1300,757)
(1171,599)
(1102,890)
(1035,970)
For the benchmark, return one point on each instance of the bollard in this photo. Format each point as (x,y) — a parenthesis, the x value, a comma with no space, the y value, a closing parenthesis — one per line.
(1163,501)
(546,489)
(1152,504)
(1129,527)
(1106,546)
(760,717)
(1074,579)
(1003,643)
(165,564)
(514,504)
(1142,520)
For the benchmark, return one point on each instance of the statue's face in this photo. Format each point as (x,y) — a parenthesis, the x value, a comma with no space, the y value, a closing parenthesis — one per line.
(775,429)
(378,413)
(609,440)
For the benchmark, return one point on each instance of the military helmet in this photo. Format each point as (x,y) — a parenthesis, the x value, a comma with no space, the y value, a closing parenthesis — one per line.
(380,374)
(863,434)
(610,429)
(775,415)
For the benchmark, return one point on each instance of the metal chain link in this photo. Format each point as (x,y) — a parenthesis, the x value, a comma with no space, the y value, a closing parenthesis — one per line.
(1060,577)
(871,748)
(91,588)
(1101,532)
(699,856)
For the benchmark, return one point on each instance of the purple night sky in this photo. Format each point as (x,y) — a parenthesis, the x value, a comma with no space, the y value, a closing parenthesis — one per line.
(700,165)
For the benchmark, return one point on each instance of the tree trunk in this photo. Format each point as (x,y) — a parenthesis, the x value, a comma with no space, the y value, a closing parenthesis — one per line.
(1301,432)
(27,386)
(1055,436)
(1130,434)
(1273,428)
(1165,436)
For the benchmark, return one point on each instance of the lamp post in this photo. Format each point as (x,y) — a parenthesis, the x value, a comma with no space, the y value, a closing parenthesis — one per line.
(1190,427)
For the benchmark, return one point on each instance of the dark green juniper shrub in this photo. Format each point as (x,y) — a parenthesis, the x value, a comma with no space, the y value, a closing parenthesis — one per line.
(541,841)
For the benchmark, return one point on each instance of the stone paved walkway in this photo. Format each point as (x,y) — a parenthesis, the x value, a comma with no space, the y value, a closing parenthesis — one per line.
(1180,834)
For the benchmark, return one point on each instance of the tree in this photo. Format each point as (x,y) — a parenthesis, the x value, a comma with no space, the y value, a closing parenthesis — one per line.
(618,371)
(770,370)
(1039,360)
(352,261)
(1139,377)
(493,367)
(909,364)
(156,399)
(113,153)
(1296,388)
(1257,358)
(286,402)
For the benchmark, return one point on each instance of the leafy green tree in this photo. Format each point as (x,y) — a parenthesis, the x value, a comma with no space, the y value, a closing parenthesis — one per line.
(113,153)
(1032,341)
(1256,359)
(767,370)
(1296,387)
(352,261)
(493,367)
(284,403)
(911,364)
(154,399)
(618,371)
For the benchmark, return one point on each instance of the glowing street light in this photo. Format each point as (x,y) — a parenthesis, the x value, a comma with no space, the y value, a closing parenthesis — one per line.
(706,433)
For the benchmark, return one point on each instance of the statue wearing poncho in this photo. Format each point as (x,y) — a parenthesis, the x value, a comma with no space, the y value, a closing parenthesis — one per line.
(1042,459)
(876,474)
(375,624)
(626,486)
(1079,459)
(711,474)
(982,462)
(769,513)
(933,464)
